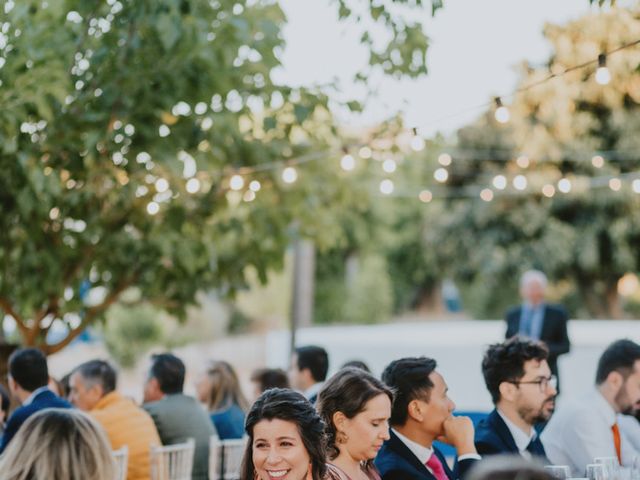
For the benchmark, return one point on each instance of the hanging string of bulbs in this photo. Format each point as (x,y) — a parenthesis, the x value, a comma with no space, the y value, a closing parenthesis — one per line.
(238,181)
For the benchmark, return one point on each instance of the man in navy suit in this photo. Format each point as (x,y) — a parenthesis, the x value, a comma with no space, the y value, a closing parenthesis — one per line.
(523,390)
(421,413)
(308,370)
(28,380)
(538,320)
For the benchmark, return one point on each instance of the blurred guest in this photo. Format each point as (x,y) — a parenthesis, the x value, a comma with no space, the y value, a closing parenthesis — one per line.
(60,387)
(588,428)
(219,389)
(265,378)
(58,444)
(355,407)
(28,383)
(286,439)
(420,414)
(5,403)
(357,364)
(93,390)
(523,390)
(538,320)
(309,367)
(503,467)
(630,429)
(178,417)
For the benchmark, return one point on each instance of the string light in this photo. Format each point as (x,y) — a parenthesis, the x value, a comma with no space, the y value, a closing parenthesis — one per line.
(500,182)
(597,161)
(417,142)
(444,159)
(255,186)
(365,153)
(520,182)
(523,161)
(348,163)
(441,175)
(386,187)
(615,184)
(153,208)
(193,185)
(289,175)
(425,196)
(162,185)
(548,190)
(486,194)
(502,113)
(564,185)
(635,185)
(603,76)
(249,196)
(236,182)
(389,165)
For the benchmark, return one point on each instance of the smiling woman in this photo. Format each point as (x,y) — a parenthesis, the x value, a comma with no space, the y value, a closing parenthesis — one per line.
(286,439)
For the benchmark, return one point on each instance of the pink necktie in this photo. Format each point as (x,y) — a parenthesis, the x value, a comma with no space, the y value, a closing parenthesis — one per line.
(436,467)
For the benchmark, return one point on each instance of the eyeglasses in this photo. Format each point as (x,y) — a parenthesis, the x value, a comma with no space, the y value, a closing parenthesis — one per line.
(543,383)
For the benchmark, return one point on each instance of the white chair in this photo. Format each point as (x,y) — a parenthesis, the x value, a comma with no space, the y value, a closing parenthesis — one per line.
(172,462)
(121,459)
(225,458)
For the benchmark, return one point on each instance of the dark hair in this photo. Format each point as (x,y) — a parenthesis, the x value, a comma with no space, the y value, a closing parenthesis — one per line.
(508,467)
(505,361)
(315,359)
(409,379)
(348,391)
(620,357)
(290,406)
(169,371)
(357,364)
(28,367)
(5,401)
(98,372)
(270,378)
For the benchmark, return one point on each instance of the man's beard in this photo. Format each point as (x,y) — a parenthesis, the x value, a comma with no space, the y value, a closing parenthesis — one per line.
(540,415)
(623,403)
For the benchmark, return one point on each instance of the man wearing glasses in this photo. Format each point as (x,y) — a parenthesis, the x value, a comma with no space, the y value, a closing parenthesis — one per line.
(523,391)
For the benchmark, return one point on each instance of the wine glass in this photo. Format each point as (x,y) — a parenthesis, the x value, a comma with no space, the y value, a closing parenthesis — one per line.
(597,471)
(559,471)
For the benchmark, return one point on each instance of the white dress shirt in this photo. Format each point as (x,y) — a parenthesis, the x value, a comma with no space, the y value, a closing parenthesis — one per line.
(520,438)
(581,431)
(630,430)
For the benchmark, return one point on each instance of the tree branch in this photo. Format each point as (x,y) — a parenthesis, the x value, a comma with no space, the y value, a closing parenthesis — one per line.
(6,306)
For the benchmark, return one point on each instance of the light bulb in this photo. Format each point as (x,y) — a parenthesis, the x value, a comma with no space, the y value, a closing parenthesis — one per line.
(425,196)
(389,165)
(386,187)
(564,185)
(255,186)
(193,185)
(636,185)
(236,182)
(520,182)
(597,161)
(348,163)
(500,182)
(441,175)
(444,159)
(603,76)
(486,194)
(502,113)
(615,184)
(289,175)
(548,191)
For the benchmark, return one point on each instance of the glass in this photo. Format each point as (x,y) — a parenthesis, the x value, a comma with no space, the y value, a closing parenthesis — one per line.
(611,464)
(543,383)
(597,471)
(559,471)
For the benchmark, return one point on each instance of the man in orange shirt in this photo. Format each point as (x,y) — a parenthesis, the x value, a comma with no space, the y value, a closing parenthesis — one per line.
(93,389)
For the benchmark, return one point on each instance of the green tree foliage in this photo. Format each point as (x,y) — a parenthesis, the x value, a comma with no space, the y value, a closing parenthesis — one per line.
(588,238)
(122,122)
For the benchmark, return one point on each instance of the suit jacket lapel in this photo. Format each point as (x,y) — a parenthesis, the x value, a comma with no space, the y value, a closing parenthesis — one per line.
(402,450)
(502,431)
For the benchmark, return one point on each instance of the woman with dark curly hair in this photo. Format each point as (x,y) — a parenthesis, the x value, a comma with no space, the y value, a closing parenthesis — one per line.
(355,407)
(286,439)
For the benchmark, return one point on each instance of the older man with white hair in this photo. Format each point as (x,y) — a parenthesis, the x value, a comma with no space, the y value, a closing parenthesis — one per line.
(538,320)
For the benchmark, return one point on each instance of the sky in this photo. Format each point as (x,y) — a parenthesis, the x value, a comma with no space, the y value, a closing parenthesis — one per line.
(475,47)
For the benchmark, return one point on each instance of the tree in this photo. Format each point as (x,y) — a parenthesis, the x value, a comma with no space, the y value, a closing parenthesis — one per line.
(124,121)
(588,238)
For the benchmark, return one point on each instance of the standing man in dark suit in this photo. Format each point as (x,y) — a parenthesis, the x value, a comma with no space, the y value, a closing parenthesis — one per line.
(539,321)
(523,391)
(28,383)
(420,414)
